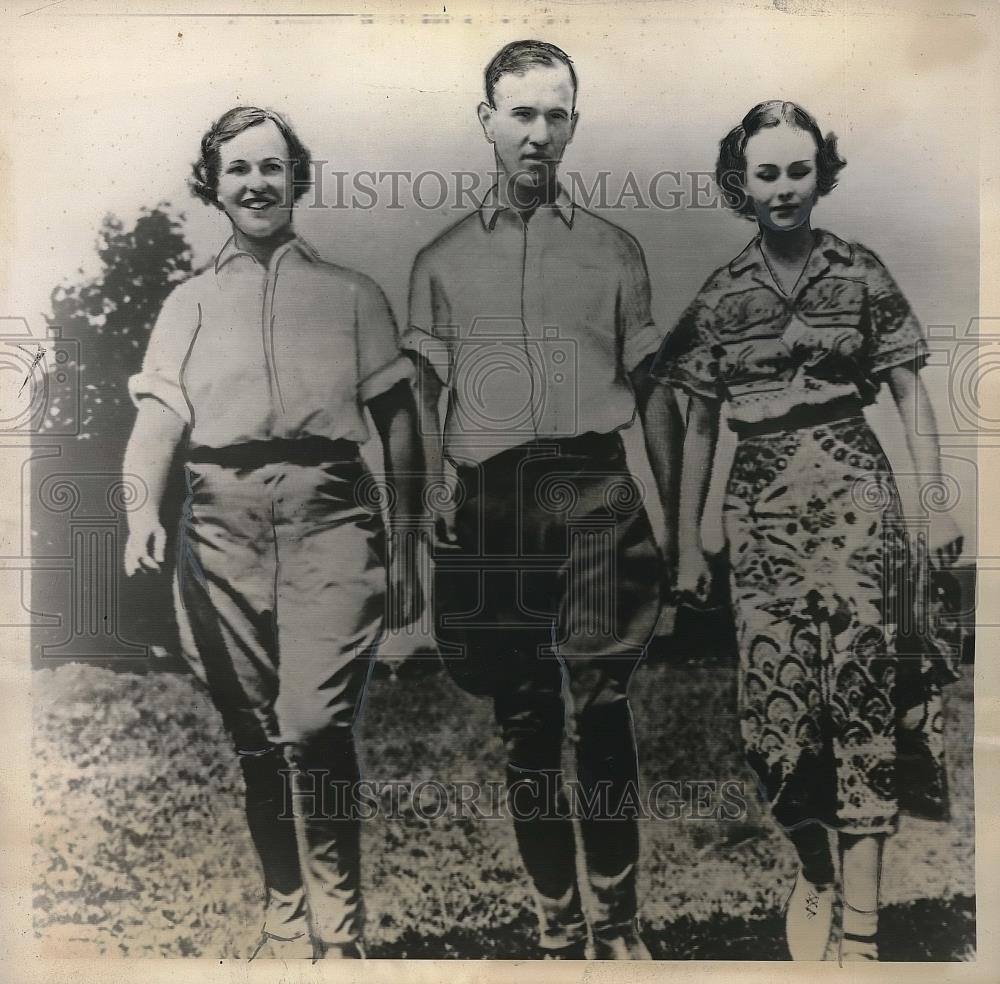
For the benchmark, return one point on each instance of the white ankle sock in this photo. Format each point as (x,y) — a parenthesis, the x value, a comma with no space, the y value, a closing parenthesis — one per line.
(860,922)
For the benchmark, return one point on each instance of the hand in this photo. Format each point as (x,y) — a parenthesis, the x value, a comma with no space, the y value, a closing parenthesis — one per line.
(694,574)
(405,601)
(913,718)
(946,543)
(147,541)
(439,500)
(444,529)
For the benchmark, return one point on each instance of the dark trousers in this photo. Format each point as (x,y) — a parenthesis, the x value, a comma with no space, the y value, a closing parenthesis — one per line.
(555,582)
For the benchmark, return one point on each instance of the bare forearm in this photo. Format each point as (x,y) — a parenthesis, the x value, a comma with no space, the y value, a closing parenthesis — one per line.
(427,399)
(663,435)
(395,417)
(913,403)
(700,441)
(155,437)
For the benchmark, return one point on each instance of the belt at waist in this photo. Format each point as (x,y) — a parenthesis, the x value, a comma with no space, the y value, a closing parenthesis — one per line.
(297,451)
(805,415)
(591,445)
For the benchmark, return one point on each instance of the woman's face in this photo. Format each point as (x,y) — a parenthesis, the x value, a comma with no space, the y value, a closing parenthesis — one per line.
(781,176)
(255,181)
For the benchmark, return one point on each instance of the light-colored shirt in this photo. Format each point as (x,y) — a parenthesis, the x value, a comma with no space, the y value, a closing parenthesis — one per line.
(533,325)
(768,354)
(243,353)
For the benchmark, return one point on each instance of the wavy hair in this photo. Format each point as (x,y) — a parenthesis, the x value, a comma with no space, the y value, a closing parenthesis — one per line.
(204,182)
(731,167)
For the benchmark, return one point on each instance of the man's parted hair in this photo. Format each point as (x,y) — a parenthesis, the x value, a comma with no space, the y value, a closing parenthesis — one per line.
(731,167)
(518,56)
(205,171)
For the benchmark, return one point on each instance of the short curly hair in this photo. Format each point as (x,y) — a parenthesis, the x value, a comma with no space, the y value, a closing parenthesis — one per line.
(731,167)
(205,180)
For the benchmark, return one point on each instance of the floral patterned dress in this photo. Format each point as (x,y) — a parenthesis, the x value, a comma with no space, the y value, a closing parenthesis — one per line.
(824,576)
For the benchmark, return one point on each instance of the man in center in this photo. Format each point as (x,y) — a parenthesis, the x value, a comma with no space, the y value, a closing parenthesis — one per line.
(535,314)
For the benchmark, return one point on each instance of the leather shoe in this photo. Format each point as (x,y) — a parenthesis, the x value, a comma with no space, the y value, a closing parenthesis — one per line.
(808,919)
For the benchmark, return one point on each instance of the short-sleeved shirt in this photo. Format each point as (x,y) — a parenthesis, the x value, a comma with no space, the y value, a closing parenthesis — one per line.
(534,325)
(242,353)
(743,340)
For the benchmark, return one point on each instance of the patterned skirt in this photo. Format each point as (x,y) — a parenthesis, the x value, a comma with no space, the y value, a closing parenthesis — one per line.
(840,668)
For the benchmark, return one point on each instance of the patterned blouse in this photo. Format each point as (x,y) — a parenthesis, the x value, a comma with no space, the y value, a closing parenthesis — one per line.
(769,354)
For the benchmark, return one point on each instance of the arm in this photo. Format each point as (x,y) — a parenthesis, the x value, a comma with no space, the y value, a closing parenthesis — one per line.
(663,435)
(700,441)
(428,307)
(162,421)
(913,403)
(395,417)
(428,401)
(899,351)
(640,340)
(152,445)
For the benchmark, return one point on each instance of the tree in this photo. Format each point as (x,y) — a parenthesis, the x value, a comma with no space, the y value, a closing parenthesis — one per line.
(110,316)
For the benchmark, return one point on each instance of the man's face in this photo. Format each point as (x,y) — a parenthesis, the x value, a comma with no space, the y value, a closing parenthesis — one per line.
(531,123)
(255,181)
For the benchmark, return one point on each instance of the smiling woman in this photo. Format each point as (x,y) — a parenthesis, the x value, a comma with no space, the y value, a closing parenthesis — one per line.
(254,168)
(745,164)
(260,368)
(237,121)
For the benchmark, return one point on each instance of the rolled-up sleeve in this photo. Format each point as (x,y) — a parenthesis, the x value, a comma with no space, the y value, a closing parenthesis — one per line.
(638,333)
(169,342)
(381,363)
(421,336)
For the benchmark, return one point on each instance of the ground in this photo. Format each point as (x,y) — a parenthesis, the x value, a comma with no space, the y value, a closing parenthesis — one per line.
(141,847)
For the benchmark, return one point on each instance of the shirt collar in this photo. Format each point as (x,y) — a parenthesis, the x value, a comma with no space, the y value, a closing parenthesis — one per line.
(496,201)
(827,248)
(230,251)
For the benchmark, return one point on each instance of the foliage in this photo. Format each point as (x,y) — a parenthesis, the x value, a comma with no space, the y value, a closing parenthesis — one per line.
(111,315)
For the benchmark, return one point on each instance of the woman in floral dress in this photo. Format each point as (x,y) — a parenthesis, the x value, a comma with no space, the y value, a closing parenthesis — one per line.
(795,336)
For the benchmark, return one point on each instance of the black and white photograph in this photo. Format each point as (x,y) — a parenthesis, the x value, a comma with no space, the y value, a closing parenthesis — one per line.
(499,482)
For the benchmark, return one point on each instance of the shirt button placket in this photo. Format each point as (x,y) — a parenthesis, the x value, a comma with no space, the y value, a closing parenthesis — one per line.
(267,331)
(532,315)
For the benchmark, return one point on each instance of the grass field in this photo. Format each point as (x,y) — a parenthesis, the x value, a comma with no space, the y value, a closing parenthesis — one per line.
(141,847)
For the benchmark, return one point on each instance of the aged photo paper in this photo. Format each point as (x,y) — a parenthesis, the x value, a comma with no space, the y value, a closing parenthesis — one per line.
(499,489)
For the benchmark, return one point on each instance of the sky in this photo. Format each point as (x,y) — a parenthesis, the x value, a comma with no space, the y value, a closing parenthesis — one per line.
(108,113)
